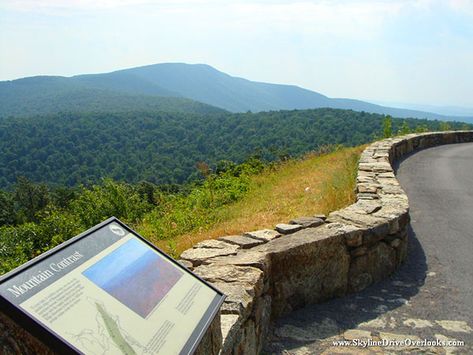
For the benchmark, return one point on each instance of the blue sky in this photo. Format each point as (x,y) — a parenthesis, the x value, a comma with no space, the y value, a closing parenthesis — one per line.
(418,51)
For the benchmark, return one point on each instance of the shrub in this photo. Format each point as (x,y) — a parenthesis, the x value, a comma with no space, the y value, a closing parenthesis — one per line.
(121,200)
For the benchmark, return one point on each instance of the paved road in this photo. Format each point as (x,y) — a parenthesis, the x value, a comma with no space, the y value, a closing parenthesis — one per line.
(430,296)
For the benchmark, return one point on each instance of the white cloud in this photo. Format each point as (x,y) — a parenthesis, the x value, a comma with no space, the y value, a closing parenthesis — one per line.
(463,6)
(318,17)
(344,18)
(362,18)
(87,5)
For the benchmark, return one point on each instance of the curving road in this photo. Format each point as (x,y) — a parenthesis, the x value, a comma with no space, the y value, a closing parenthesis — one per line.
(430,296)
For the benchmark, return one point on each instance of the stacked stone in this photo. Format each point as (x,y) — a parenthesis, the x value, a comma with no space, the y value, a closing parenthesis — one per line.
(382,215)
(268,273)
(239,266)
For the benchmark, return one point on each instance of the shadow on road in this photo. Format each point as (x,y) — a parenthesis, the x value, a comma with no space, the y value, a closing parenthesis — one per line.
(333,317)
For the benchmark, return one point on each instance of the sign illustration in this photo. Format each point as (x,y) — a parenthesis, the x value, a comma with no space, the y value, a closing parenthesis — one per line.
(108,291)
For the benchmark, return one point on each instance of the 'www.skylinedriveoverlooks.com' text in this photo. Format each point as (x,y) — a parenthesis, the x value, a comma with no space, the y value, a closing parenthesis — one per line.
(365,343)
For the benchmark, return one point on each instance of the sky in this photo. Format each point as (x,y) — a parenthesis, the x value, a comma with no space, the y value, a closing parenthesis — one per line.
(405,51)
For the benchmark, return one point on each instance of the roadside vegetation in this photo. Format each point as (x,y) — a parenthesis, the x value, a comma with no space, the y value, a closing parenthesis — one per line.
(223,198)
(320,182)
(230,198)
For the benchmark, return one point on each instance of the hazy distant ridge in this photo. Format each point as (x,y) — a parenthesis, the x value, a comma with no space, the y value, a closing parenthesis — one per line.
(166,86)
(204,83)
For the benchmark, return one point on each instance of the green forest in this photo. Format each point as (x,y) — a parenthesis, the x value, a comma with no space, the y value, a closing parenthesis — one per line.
(63,173)
(164,148)
(35,217)
(44,100)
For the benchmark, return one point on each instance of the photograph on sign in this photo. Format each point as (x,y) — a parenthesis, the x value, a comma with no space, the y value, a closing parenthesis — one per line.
(131,267)
(111,292)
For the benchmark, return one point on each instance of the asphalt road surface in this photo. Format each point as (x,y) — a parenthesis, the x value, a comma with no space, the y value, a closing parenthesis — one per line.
(430,297)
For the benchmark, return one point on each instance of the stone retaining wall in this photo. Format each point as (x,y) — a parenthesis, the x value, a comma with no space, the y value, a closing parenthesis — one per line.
(268,273)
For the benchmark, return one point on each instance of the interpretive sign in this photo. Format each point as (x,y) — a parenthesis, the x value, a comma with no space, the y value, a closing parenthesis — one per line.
(109,291)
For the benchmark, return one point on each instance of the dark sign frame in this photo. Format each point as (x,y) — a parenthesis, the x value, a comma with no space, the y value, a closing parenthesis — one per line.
(62,346)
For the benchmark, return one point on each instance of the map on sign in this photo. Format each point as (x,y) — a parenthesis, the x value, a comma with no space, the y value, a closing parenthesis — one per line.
(110,292)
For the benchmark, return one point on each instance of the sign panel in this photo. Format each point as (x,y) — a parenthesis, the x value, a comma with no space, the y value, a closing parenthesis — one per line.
(108,291)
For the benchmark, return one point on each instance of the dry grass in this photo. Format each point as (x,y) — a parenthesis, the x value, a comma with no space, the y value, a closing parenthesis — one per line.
(314,184)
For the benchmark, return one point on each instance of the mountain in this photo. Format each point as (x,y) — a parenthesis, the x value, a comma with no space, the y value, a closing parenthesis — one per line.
(160,85)
(203,83)
(442,110)
(49,94)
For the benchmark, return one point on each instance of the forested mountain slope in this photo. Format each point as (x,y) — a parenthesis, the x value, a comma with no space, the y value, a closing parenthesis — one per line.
(50,95)
(206,84)
(160,147)
(148,87)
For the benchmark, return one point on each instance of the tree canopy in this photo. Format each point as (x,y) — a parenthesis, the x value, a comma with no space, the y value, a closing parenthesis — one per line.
(163,148)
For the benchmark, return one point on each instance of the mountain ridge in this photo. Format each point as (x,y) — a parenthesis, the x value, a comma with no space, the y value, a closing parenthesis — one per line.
(196,82)
(40,95)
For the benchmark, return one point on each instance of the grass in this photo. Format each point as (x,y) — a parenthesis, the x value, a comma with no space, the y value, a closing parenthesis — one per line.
(303,187)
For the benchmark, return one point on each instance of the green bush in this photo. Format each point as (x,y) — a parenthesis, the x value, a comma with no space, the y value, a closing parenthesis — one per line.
(100,202)
(19,244)
(59,226)
(7,209)
(36,218)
